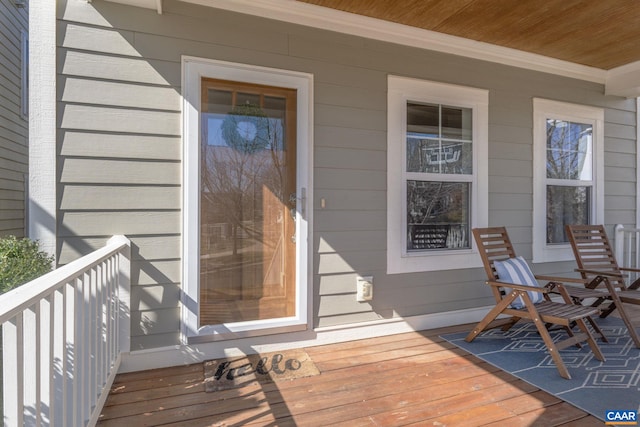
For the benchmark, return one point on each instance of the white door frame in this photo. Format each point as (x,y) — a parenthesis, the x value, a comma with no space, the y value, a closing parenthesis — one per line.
(193,69)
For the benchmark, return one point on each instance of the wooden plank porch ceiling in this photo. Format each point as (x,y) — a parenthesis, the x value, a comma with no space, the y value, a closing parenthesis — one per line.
(407,379)
(601,34)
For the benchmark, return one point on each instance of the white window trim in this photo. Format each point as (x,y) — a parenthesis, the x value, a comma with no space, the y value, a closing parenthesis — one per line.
(543,109)
(193,69)
(401,90)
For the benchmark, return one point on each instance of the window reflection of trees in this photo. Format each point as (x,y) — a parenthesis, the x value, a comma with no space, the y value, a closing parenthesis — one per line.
(569,148)
(235,174)
(437,207)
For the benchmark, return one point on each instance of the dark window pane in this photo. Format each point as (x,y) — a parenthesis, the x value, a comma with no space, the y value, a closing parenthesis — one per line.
(456,123)
(247,99)
(275,106)
(219,101)
(437,215)
(566,205)
(423,119)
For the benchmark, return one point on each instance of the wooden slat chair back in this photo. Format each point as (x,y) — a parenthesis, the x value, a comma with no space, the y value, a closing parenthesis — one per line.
(594,253)
(599,268)
(494,245)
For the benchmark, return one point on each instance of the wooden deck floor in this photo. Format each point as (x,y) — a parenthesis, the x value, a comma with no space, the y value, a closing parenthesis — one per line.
(407,379)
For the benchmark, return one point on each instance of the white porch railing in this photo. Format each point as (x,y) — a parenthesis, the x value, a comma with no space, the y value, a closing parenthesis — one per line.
(627,249)
(62,337)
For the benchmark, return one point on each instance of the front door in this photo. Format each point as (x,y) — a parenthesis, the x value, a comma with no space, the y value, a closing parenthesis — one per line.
(247,202)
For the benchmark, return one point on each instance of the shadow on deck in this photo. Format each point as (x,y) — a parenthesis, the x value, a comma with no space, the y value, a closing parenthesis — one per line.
(406,379)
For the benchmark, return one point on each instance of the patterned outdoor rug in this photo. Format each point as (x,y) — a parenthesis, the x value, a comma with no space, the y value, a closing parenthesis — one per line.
(223,374)
(594,387)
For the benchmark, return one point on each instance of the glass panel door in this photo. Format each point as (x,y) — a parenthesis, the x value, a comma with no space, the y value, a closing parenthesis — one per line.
(247,202)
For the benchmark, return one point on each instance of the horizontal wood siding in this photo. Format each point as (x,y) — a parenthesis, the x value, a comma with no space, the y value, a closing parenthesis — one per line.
(14,128)
(119,117)
(120,151)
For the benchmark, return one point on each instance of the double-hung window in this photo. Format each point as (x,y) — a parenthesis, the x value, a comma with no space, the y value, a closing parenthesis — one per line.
(437,174)
(568,174)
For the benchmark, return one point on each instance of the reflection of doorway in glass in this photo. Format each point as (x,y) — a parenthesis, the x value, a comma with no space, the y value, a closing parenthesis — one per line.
(248,170)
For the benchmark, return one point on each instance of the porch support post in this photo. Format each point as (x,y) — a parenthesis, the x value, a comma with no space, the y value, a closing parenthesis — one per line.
(42,125)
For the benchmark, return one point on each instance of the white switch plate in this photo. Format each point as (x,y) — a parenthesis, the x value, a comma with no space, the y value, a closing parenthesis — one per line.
(364,289)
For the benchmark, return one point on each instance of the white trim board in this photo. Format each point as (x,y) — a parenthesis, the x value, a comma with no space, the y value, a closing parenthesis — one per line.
(42,125)
(618,81)
(197,353)
(624,81)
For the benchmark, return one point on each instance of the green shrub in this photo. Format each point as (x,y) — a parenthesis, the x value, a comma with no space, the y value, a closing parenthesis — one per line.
(21,261)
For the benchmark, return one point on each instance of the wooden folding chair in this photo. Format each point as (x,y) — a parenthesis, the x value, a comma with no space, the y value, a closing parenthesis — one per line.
(494,246)
(604,279)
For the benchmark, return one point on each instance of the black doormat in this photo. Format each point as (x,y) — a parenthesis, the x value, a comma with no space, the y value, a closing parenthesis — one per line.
(223,374)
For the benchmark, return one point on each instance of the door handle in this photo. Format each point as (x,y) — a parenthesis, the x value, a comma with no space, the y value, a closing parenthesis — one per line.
(293,201)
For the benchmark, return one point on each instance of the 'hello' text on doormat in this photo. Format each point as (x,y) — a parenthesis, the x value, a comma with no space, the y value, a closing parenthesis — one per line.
(223,374)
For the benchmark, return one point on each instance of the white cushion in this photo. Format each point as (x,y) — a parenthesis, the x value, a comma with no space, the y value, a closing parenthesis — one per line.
(517,271)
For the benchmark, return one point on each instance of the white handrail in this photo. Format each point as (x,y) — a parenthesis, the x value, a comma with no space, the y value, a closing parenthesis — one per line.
(62,338)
